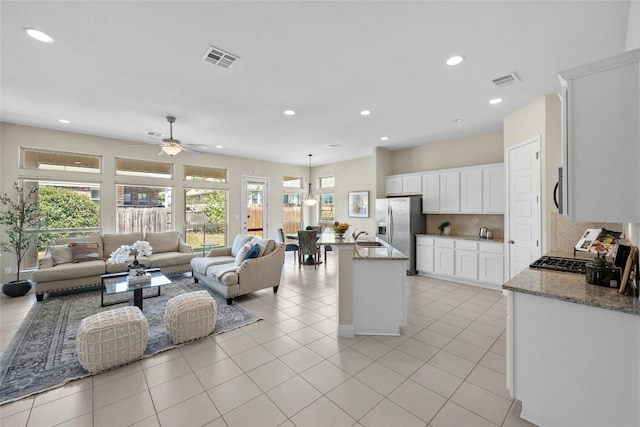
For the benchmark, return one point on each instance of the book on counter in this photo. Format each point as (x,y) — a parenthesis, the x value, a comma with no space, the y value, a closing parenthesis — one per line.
(599,241)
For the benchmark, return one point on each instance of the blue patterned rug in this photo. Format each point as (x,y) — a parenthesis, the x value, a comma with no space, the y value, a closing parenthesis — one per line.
(42,354)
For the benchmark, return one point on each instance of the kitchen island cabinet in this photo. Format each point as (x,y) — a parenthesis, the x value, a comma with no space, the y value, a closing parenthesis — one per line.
(572,351)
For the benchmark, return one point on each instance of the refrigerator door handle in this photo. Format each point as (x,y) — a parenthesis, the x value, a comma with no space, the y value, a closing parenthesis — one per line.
(390,224)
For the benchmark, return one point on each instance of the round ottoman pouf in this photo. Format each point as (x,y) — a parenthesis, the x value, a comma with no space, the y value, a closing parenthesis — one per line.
(190,316)
(111,338)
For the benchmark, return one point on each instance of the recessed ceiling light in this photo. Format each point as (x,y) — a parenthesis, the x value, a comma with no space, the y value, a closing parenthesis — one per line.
(219,146)
(384,138)
(334,145)
(39,35)
(66,122)
(289,112)
(495,101)
(455,60)
(365,112)
(456,121)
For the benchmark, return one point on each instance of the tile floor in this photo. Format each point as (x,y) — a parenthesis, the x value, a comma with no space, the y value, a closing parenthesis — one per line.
(290,369)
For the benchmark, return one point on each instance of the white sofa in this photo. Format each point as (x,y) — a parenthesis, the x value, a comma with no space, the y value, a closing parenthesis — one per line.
(57,271)
(231,275)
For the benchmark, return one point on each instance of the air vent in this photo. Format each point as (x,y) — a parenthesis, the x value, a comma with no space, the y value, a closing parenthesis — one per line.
(219,57)
(154,135)
(507,80)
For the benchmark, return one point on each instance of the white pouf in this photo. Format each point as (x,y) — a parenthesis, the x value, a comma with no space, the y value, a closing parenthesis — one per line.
(190,316)
(111,338)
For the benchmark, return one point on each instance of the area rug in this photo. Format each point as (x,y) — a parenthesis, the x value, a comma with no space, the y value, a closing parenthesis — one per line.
(42,354)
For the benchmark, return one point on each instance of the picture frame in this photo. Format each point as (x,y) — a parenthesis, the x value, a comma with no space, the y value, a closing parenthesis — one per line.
(359,204)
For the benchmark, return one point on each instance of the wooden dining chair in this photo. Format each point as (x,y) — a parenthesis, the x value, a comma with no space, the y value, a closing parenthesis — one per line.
(308,245)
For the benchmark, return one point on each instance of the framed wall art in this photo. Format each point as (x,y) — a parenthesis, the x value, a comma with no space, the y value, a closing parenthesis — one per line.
(359,204)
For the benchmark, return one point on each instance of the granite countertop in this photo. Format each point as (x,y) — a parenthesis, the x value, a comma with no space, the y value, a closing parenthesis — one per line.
(573,288)
(385,252)
(472,238)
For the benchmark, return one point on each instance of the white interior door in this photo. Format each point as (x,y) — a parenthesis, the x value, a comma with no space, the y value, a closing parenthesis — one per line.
(255,207)
(524,205)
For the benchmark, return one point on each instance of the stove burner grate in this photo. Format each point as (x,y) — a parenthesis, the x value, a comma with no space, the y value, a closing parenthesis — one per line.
(569,265)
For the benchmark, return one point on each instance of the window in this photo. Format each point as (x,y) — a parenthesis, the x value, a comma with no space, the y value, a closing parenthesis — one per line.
(327,210)
(291,213)
(60,161)
(292,182)
(201,173)
(131,167)
(205,218)
(327,182)
(143,208)
(66,209)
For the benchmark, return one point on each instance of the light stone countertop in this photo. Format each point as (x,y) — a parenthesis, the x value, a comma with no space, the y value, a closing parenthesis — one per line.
(573,288)
(471,238)
(386,252)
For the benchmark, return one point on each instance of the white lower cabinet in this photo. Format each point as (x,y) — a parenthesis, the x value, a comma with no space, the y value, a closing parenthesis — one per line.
(444,257)
(464,260)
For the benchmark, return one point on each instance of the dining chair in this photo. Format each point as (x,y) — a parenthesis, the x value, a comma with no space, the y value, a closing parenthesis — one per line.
(308,245)
(289,247)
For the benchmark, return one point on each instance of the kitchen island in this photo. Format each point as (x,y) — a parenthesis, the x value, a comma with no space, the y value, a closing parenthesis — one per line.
(371,284)
(573,350)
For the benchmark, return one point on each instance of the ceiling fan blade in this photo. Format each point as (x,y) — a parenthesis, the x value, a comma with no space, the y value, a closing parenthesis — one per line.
(196,146)
(190,150)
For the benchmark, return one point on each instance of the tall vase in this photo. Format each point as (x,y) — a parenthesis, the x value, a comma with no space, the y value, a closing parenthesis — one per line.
(135,266)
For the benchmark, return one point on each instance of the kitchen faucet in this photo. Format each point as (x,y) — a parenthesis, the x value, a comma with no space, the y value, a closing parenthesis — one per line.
(355,236)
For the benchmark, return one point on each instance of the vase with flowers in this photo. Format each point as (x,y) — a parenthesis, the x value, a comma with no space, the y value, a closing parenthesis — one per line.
(121,255)
(339,228)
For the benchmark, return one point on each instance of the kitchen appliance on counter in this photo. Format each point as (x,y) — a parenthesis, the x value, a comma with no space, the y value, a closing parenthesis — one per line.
(398,220)
(597,272)
(555,263)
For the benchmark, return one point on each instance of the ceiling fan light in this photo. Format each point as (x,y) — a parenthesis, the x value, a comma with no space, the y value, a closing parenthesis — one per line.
(310,202)
(171,150)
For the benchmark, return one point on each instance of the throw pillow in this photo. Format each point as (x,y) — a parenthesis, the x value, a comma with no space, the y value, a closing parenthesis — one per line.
(242,253)
(254,252)
(266,245)
(81,252)
(238,243)
(61,254)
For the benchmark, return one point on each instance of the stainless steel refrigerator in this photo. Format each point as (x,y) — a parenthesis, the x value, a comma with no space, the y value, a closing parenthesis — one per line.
(398,220)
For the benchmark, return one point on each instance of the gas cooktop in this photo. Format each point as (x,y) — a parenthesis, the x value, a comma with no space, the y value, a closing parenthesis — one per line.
(569,265)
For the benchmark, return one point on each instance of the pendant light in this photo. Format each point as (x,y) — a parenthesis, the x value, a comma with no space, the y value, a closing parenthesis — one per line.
(310,200)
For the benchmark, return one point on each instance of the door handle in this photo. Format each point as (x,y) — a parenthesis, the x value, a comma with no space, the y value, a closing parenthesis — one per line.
(511,242)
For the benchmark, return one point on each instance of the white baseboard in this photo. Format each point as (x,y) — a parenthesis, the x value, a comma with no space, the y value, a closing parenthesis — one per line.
(346,331)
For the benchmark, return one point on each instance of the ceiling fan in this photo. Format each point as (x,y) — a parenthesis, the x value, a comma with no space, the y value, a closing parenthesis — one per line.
(173,146)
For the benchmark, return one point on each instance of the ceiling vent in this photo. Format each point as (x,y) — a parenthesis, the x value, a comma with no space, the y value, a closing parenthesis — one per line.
(507,80)
(154,135)
(219,57)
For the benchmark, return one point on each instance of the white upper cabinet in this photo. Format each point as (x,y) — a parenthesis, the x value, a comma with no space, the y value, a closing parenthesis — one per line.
(403,185)
(471,190)
(450,192)
(431,192)
(493,189)
(601,140)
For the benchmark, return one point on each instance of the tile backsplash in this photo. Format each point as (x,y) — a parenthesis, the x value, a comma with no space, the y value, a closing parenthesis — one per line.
(467,224)
(564,233)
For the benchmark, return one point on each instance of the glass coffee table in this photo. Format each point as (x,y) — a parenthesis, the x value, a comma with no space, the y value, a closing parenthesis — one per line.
(116,283)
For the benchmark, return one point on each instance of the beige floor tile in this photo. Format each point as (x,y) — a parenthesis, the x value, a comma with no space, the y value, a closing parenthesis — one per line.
(301,359)
(418,400)
(205,356)
(196,411)
(151,421)
(66,390)
(326,346)
(325,376)
(12,408)
(322,413)
(293,395)
(418,349)
(217,373)
(513,417)
(435,379)
(452,415)
(233,393)
(494,361)
(401,363)
(282,345)
(266,333)
(63,409)
(489,380)
(17,419)
(466,351)
(476,339)
(387,413)
(371,348)
(81,421)
(488,405)
(125,412)
(122,388)
(355,398)
(166,371)
(432,338)
(115,374)
(380,378)
(451,363)
(289,325)
(159,358)
(350,361)
(271,374)
(306,335)
(175,391)
(238,344)
(258,412)
(252,358)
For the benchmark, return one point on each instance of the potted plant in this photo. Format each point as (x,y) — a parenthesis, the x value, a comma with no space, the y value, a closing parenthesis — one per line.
(18,216)
(445,228)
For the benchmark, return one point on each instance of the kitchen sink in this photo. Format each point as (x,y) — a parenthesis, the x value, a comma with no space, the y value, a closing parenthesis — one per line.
(368,244)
